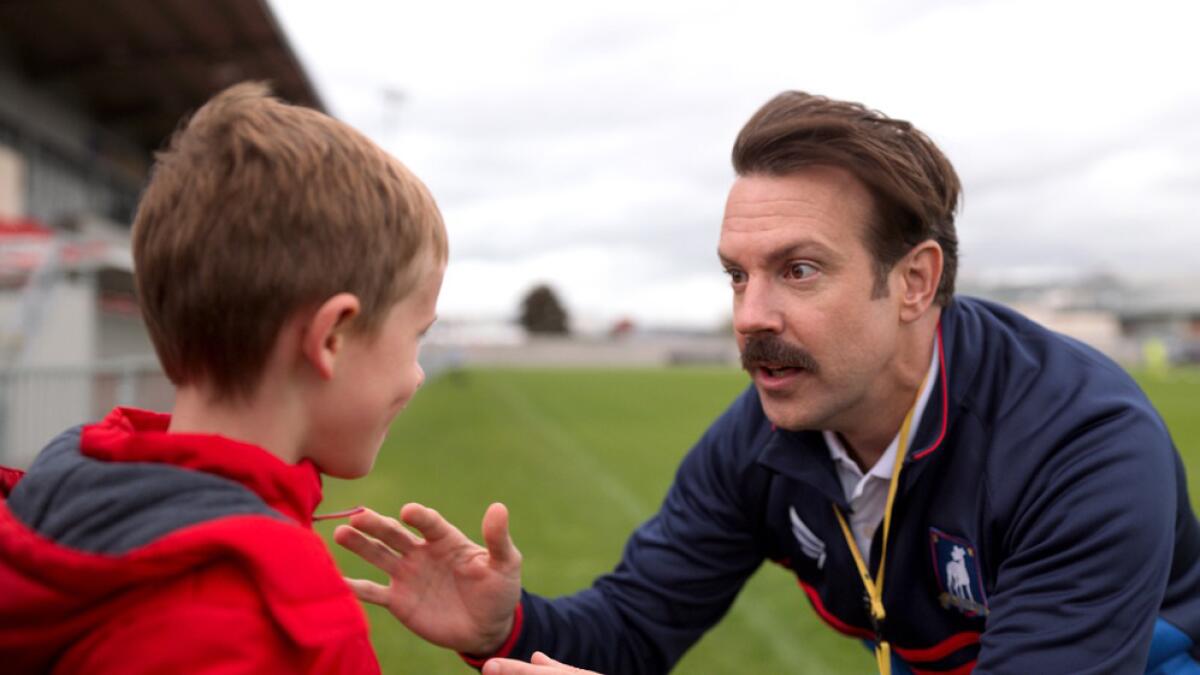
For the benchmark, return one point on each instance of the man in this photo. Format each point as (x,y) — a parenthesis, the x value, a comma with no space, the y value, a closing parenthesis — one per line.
(950,482)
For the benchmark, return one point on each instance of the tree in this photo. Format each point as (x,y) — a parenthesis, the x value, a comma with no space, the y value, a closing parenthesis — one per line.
(542,313)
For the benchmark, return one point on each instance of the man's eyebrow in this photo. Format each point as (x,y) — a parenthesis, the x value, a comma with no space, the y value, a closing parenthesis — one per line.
(807,246)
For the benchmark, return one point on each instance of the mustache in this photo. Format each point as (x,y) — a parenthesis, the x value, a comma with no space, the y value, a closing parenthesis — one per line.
(763,349)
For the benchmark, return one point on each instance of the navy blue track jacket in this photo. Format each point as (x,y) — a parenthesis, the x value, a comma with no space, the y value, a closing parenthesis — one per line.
(1042,525)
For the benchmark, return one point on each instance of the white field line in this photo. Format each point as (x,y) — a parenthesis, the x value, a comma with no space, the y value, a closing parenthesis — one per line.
(786,645)
(562,444)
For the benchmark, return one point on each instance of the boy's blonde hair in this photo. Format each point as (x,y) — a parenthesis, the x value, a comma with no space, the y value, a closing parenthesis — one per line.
(258,209)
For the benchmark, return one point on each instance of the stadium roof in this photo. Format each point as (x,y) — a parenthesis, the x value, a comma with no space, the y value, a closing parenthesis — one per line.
(138,66)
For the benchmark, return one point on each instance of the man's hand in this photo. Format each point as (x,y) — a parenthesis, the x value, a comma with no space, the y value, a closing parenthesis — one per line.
(540,664)
(444,587)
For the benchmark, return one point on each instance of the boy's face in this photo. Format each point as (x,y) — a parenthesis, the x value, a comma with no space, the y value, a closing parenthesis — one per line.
(375,376)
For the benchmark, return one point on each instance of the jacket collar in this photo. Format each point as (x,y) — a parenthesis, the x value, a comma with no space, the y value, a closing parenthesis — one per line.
(931,429)
(132,435)
(802,455)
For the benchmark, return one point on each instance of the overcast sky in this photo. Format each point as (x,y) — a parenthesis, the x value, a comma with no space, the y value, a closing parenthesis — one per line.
(586,144)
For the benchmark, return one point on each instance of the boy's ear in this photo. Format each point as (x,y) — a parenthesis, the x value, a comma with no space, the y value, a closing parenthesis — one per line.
(325,334)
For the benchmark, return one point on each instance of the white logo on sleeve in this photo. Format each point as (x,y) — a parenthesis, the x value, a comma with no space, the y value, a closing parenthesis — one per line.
(809,543)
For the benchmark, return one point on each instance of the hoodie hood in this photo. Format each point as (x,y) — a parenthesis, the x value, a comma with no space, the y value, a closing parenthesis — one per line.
(79,536)
(8,480)
(113,507)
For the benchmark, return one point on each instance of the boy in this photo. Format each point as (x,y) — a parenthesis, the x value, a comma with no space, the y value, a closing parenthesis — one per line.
(286,269)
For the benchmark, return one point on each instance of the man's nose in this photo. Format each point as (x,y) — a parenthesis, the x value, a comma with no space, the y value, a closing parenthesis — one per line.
(756,309)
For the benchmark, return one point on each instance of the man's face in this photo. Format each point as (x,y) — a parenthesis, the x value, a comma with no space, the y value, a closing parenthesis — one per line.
(812,337)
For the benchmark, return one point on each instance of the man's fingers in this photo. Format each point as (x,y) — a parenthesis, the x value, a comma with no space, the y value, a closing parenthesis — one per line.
(368,591)
(374,552)
(387,530)
(512,667)
(428,522)
(496,537)
(540,665)
(540,659)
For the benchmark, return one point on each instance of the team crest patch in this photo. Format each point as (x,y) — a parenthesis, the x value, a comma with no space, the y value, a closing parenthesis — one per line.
(956,565)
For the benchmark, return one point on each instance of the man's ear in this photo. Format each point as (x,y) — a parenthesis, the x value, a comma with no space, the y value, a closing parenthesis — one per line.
(325,332)
(920,272)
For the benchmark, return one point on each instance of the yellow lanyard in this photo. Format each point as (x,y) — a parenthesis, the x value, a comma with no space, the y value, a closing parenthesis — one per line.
(883,651)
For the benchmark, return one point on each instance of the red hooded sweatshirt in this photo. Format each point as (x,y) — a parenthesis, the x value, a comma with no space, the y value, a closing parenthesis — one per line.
(126,549)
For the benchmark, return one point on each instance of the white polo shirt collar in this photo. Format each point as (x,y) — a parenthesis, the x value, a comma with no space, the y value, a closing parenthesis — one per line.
(867,493)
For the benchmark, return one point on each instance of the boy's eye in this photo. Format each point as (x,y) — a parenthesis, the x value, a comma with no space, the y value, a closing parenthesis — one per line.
(800,270)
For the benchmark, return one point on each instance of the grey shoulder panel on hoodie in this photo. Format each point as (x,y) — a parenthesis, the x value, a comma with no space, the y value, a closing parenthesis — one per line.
(114,507)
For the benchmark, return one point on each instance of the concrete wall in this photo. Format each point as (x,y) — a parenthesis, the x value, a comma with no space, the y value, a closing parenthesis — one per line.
(76,362)
(65,335)
(46,393)
(1097,328)
(120,335)
(12,183)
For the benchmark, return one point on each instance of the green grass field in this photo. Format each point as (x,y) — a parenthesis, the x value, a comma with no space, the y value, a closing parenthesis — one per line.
(581,458)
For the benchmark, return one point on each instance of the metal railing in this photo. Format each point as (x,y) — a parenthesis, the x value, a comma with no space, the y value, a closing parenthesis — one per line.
(39,402)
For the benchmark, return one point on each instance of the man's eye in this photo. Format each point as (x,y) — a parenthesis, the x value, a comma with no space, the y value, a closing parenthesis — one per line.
(735,276)
(800,270)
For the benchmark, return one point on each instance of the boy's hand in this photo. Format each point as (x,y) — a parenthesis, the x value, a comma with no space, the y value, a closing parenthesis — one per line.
(540,664)
(444,587)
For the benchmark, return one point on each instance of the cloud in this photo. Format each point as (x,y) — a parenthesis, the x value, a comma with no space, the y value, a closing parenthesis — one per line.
(609,281)
(587,144)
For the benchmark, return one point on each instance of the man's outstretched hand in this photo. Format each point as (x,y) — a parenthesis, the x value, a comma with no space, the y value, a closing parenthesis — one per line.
(540,664)
(443,586)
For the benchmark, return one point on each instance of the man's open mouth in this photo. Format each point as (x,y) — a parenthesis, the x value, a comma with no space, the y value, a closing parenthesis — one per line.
(776,370)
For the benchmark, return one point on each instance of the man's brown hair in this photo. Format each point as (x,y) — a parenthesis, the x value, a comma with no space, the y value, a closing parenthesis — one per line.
(915,189)
(258,209)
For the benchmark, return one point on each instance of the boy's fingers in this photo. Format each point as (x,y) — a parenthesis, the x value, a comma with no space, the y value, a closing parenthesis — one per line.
(496,536)
(387,530)
(368,591)
(374,552)
(428,522)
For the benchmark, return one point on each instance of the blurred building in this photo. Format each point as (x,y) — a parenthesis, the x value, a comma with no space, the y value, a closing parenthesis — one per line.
(1123,319)
(88,92)
(1170,317)
(499,343)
